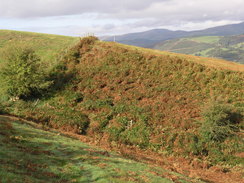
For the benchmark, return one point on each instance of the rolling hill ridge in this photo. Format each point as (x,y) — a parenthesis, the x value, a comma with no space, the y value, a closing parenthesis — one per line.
(214,42)
(149,38)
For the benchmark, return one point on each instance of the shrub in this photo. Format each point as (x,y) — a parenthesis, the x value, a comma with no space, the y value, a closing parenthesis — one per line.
(219,122)
(22,75)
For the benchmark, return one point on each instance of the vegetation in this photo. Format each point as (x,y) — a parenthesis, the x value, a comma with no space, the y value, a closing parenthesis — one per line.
(124,95)
(22,74)
(32,155)
(225,47)
(220,122)
(47,46)
(150,38)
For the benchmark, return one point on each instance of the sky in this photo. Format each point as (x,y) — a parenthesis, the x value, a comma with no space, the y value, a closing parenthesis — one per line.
(114,17)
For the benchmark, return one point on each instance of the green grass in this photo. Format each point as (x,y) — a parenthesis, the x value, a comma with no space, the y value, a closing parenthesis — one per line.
(29,154)
(206,39)
(47,46)
(204,52)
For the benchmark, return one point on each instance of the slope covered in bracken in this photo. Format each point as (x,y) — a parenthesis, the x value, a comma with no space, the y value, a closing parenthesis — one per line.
(165,92)
(133,97)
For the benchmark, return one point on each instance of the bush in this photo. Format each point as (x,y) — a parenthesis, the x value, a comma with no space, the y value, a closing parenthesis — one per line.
(218,138)
(219,122)
(22,75)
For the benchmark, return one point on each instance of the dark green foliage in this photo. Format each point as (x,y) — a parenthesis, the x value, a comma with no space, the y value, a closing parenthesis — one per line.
(22,75)
(51,114)
(220,121)
(131,131)
(75,119)
(2,109)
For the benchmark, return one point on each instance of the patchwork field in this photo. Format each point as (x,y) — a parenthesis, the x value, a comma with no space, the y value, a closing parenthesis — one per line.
(224,47)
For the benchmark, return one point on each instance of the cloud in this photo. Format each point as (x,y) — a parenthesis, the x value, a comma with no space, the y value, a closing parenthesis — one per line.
(41,8)
(190,10)
(118,16)
(165,10)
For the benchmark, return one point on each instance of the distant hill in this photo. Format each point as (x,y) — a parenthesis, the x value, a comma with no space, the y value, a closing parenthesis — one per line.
(225,47)
(149,38)
(225,30)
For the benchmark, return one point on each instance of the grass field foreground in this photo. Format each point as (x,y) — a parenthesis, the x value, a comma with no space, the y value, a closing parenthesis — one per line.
(32,155)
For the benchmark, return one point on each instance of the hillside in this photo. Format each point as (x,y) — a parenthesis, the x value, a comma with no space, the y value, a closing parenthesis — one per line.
(47,46)
(149,39)
(224,47)
(134,98)
(29,154)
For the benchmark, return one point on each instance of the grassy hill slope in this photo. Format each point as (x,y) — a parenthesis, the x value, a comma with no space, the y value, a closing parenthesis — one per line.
(225,47)
(47,46)
(135,96)
(29,154)
(132,97)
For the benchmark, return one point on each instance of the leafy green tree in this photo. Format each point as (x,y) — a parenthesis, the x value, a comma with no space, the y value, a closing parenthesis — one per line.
(22,74)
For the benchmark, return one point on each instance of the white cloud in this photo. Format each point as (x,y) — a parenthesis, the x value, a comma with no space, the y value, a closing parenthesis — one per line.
(118,16)
(40,8)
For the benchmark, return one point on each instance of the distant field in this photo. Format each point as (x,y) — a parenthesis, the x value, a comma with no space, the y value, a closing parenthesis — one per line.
(32,155)
(224,47)
(47,46)
(206,39)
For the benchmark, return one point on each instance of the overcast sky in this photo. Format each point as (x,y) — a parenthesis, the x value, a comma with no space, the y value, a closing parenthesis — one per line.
(108,17)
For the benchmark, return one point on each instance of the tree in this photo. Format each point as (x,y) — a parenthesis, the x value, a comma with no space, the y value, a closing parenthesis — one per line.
(22,75)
